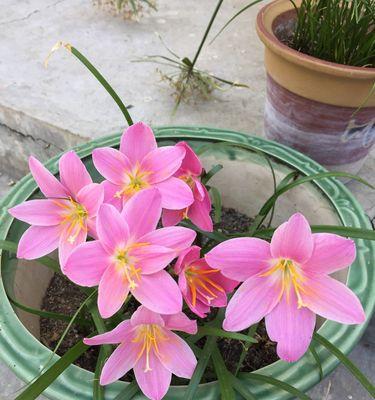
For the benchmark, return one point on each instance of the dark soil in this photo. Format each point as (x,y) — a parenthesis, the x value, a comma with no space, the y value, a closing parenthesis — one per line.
(65,297)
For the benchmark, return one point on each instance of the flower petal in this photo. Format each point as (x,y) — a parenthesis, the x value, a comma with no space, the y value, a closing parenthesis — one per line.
(86,264)
(293,239)
(162,163)
(113,290)
(143,315)
(240,258)
(177,238)
(112,164)
(120,362)
(48,184)
(137,141)
(254,299)
(175,194)
(332,300)
(73,173)
(180,322)
(187,257)
(66,245)
(152,258)
(110,197)
(191,162)
(91,197)
(38,212)
(331,253)
(142,212)
(199,214)
(155,382)
(112,229)
(159,293)
(38,241)
(120,334)
(176,355)
(172,217)
(291,327)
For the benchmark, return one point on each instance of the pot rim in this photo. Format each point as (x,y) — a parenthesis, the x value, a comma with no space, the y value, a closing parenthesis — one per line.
(25,354)
(316,64)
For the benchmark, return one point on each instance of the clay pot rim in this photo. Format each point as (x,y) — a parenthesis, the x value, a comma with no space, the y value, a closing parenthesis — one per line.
(273,43)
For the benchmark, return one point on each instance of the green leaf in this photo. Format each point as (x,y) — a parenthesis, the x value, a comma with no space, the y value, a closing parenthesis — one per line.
(251,332)
(213,171)
(216,202)
(46,314)
(317,360)
(346,231)
(352,368)
(105,350)
(187,62)
(129,392)
(46,261)
(322,175)
(38,387)
(200,368)
(234,17)
(103,82)
(225,381)
(277,383)
(242,389)
(217,332)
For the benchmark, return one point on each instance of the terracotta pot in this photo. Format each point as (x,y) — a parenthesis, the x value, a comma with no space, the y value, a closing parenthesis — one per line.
(311,104)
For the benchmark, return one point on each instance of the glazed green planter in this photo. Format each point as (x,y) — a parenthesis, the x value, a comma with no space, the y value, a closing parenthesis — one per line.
(326,199)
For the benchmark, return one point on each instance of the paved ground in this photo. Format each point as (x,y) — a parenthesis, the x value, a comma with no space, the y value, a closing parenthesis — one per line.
(44,111)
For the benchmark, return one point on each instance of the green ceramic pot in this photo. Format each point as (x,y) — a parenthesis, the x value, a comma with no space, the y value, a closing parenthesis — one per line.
(245,183)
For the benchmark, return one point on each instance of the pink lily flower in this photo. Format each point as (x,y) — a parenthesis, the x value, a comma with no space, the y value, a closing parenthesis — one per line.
(201,286)
(287,281)
(140,164)
(199,211)
(130,255)
(64,219)
(148,345)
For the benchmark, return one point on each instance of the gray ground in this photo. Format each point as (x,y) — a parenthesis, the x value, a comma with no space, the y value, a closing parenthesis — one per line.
(44,111)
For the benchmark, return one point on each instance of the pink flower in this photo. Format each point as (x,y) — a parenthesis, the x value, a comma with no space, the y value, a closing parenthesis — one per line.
(148,345)
(199,211)
(202,287)
(131,255)
(66,216)
(139,165)
(287,282)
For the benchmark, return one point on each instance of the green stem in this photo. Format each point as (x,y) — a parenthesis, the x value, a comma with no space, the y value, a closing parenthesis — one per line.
(38,387)
(347,363)
(103,81)
(206,33)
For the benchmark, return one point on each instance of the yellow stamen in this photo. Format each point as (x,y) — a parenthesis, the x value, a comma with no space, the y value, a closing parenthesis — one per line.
(291,277)
(127,264)
(188,179)
(199,282)
(74,215)
(137,180)
(149,335)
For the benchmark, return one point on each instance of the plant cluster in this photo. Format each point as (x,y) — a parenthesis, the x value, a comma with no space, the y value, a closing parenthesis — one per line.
(340,31)
(108,238)
(138,235)
(127,8)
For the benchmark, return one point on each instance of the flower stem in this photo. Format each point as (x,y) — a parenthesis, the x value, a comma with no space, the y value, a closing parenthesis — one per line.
(103,81)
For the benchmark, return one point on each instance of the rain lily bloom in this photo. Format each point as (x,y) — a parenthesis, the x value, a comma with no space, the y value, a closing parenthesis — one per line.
(199,211)
(202,286)
(140,164)
(130,255)
(287,281)
(64,219)
(148,345)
